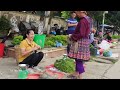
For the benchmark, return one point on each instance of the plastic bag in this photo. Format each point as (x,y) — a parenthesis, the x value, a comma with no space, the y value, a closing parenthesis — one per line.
(107,53)
(104,45)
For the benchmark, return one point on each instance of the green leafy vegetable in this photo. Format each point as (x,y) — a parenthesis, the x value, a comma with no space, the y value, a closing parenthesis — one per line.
(50,41)
(17,40)
(67,65)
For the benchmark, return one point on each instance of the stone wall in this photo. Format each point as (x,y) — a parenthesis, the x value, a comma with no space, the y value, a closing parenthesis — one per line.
(20,16)
(59,21)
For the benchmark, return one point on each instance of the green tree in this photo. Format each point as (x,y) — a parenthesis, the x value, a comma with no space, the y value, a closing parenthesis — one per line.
(4,23)
(65,14)
(96,15)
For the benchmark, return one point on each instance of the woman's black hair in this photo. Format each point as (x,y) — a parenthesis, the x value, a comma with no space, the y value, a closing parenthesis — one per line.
(27,32)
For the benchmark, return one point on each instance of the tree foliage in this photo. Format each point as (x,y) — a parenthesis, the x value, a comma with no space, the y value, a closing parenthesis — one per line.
(65,14)
(4,23)
(113,18)
(96,15)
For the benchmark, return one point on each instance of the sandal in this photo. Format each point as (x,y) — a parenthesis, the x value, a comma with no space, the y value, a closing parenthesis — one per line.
(72,76)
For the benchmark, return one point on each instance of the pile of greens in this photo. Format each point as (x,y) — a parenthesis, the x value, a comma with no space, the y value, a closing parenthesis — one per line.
(67,65)
(116,36)
(91,46)
(51,41)
(93,50)
(17,40)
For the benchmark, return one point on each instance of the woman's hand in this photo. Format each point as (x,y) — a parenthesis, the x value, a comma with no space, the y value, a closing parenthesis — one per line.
(35,48)
(38,47)
(70,35)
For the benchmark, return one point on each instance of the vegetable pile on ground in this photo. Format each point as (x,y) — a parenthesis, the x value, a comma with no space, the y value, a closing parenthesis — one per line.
(51,40)
(67,65)
(93,50)
(91,46)
(17,40)
(116,36)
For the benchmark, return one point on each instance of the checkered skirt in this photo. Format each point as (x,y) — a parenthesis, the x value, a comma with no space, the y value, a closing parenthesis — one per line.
(83,51)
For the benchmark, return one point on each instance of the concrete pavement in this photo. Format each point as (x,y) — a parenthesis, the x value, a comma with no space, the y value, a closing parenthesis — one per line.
(114,71)
(94,70)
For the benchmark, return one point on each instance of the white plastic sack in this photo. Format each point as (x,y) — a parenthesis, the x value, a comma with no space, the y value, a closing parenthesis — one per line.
(104,45)
(15,28)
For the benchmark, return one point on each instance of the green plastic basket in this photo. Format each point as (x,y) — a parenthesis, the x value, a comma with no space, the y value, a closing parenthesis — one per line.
(40,40)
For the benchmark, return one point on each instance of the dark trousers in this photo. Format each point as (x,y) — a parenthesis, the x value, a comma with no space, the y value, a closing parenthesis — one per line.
(33,59)
(68,48)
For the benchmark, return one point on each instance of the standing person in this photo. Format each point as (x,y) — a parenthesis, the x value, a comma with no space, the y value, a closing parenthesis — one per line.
(28,54)
(72,23)
(109,37)
(100,37)
(80,50)
(92,38)
(41,25)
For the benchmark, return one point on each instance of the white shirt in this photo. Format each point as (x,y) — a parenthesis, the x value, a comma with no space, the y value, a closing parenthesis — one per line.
(91,37)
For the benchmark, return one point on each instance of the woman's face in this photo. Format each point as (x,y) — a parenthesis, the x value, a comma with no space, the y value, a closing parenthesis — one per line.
(30,36)
(93,30)
(109,34)
(79,13)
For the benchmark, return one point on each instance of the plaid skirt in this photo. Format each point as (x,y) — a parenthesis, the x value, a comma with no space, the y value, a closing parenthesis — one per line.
(83,50)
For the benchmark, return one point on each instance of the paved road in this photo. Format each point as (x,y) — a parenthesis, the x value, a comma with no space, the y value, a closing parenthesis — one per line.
(106,71)
(94,70)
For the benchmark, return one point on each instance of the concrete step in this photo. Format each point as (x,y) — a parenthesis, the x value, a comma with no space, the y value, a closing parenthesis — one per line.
(48,52)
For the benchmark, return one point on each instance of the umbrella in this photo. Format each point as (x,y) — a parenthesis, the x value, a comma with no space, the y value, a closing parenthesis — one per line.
(105,25)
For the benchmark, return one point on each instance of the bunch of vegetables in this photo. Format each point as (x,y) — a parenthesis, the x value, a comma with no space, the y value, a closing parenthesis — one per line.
(93,50)
(66,65)
(116,36)
(17,40)
(91,46)
(51,41)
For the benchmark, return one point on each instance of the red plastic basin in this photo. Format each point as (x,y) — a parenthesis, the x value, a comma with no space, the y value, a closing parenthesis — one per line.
(33,76)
